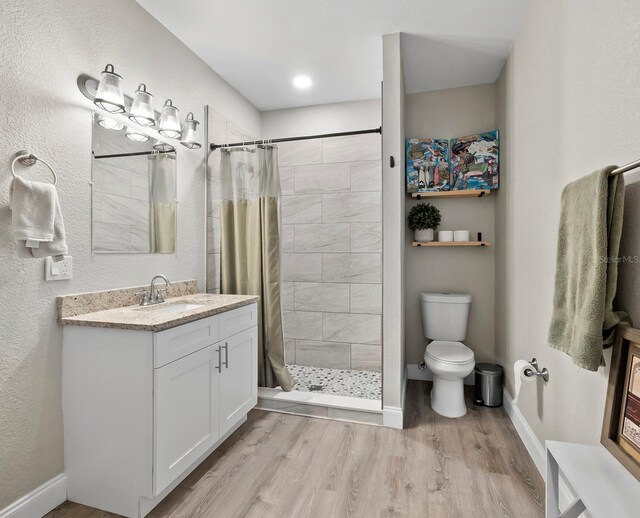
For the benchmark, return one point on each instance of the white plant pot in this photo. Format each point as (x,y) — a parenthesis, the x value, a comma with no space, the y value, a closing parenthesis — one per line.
(424,235)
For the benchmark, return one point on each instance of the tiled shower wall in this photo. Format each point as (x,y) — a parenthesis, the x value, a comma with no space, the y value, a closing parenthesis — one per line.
(332,251)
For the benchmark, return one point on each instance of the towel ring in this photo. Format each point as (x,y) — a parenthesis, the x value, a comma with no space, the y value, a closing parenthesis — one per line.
(29,159)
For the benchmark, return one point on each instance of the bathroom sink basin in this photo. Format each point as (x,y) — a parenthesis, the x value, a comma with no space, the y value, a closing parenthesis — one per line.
(176,308)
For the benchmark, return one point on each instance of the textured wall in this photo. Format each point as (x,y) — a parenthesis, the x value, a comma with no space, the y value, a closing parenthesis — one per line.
(454,112)
(567,104)
(45,46)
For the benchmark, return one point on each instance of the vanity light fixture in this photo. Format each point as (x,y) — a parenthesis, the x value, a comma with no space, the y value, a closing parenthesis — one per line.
(163,146)
(110,123)
(142,109)
(169,121)
(189,139)
(136,136)
(109,96)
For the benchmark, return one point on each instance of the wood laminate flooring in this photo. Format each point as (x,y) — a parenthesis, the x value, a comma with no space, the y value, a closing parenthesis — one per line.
(280,466)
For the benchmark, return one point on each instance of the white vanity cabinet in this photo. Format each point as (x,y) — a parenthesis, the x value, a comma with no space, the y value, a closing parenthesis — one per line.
(142,409)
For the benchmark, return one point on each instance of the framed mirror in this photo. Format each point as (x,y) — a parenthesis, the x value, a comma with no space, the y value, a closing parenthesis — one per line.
(134,189)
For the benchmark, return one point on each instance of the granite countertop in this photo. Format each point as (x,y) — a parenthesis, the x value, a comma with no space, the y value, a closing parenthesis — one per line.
(148,318)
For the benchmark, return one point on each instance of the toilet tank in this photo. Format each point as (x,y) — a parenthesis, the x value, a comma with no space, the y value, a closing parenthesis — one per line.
(445,315)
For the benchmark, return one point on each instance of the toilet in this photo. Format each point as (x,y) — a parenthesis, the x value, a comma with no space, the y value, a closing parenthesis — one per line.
(444,320)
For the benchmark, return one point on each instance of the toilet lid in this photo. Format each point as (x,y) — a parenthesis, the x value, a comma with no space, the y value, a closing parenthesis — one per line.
(450,352)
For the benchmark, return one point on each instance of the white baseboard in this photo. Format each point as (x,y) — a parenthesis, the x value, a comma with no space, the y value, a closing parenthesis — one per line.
(392,417)
(416,373)
(536,449)
(40,501)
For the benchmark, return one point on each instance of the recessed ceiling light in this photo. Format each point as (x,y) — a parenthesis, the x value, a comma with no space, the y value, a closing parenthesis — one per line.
(302,82)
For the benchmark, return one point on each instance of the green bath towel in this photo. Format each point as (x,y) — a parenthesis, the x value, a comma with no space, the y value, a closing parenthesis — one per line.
(583,319)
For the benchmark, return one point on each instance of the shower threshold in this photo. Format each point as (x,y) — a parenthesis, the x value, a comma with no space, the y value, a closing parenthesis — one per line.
(328,393)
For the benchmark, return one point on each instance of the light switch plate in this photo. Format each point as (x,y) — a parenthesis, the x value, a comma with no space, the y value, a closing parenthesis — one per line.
(58,270)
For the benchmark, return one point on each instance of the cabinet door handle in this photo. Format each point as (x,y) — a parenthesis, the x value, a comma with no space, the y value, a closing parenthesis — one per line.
(226,355)
(219,366)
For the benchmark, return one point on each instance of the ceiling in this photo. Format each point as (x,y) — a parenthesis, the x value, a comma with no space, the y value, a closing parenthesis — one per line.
(258,46)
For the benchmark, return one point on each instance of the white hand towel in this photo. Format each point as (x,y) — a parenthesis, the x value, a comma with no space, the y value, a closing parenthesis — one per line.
(36,219)
(32,210)
(58,245)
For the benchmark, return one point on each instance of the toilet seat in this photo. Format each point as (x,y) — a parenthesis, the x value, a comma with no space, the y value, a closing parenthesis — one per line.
(449,352)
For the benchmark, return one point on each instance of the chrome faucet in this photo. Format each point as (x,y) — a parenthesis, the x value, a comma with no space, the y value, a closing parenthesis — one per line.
(154,296)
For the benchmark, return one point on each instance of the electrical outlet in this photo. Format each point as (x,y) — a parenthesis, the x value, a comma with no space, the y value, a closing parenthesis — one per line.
(58,270)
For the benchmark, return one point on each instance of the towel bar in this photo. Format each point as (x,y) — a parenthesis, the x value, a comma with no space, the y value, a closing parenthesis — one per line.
(29,159)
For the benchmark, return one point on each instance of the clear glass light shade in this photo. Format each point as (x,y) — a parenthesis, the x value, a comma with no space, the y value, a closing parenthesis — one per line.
(189,139)
(163,146)
(142,109)
(169,121)
(136,136)
(109,96)
(110,123)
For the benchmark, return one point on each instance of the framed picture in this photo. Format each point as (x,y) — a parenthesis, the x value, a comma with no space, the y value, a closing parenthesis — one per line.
(621,424)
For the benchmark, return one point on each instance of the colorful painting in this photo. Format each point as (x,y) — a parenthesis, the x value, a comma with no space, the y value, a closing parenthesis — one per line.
(474,161)
(630,426)
(427,165)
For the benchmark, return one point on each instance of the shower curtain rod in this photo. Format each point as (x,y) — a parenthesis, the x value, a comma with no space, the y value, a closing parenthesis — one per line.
(138,153)
(213,147)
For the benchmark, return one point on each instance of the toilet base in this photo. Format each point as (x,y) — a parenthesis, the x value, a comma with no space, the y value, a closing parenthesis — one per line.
(447,397)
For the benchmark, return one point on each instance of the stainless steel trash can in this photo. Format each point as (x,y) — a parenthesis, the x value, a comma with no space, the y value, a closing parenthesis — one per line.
(488,385)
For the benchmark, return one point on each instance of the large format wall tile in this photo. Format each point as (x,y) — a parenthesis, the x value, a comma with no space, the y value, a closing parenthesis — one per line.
(323,354)
(366,357)
(302,209)
(111,179)
(351,149)
(287,181)
(352,207)
(289,351)
(318,296)
(348,327)
(116,209)
(140,186)
(286,295)
(358,268)
(302,267)
(140,239)
(331,243)
(287,239)
(366,176)
(302,152)
(111,237)
(312,179)
(333,237)
(366,237)
(306,325)
(366,298)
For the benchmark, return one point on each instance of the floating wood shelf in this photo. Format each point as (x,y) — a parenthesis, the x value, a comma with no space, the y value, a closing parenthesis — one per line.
(451,243)
(451,194)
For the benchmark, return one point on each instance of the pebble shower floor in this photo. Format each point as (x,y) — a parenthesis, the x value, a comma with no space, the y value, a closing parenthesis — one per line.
(340,382)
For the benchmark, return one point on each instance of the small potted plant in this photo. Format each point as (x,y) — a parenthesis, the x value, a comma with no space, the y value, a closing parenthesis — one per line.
(423,219)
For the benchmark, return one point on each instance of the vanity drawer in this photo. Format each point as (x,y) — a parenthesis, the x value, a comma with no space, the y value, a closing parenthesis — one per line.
(177,342)
(237,320)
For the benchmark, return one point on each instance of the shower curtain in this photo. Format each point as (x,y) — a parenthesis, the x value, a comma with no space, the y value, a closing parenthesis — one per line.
(162,203)
(250,248)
